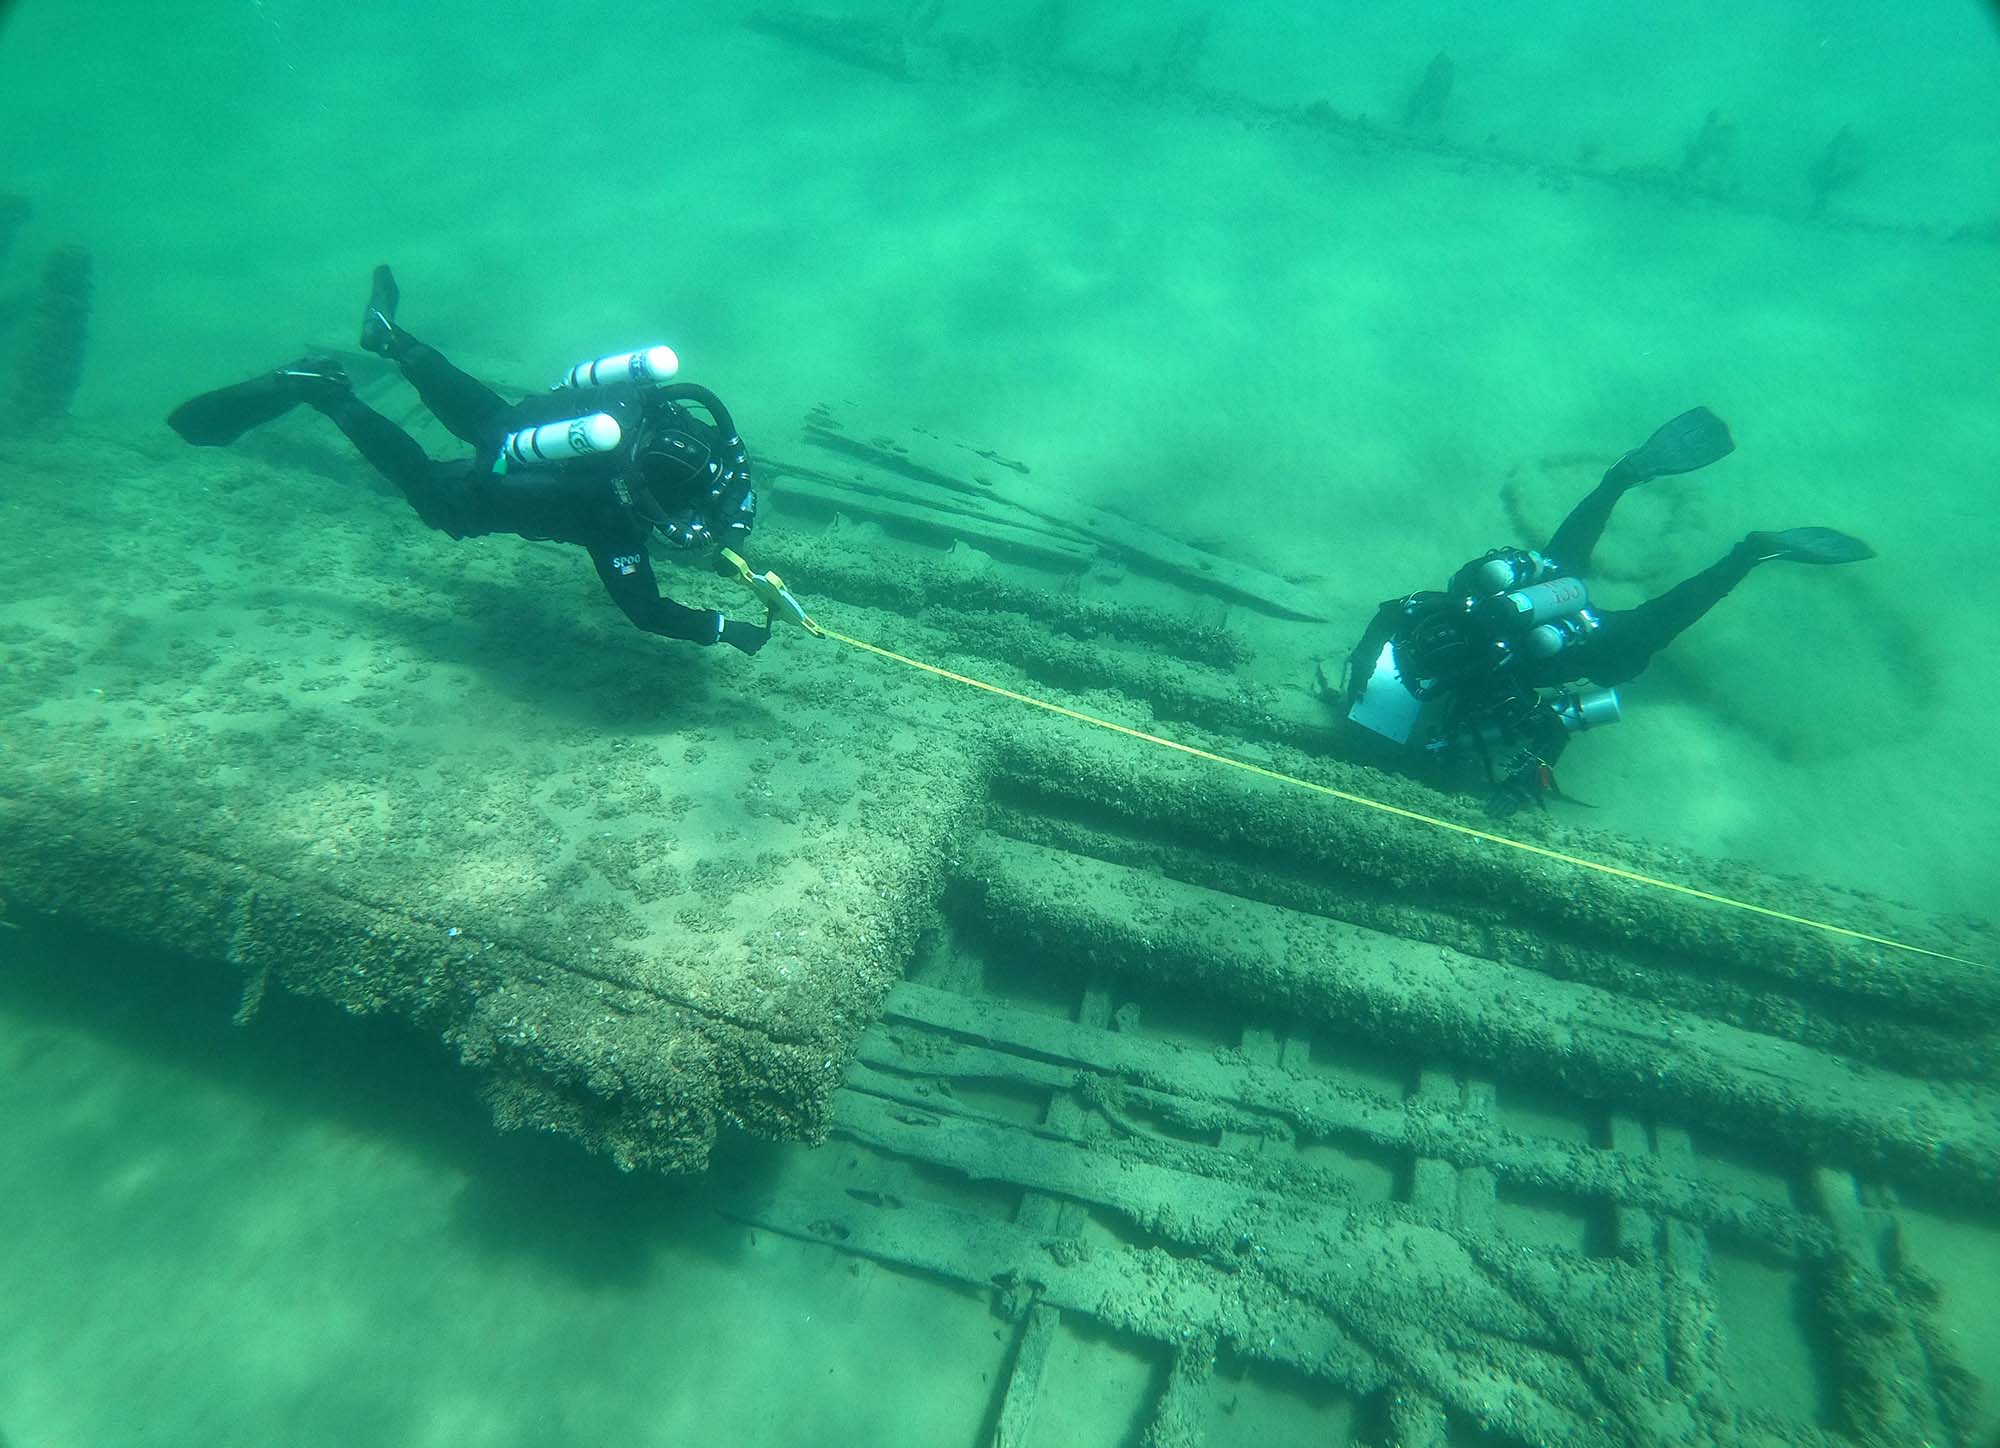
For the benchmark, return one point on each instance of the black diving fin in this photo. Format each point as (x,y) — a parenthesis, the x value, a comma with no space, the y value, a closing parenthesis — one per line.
(378,319)
(1811,545)
(1693,440)
(218,418)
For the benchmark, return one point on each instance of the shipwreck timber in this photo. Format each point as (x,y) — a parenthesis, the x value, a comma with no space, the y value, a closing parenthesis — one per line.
(1163,73)
(645,900)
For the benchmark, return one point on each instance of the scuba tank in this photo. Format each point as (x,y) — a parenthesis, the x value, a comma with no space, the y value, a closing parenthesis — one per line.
(1543,619)
(649,366)
(1506,569)
(566,438)
(1581,709)
(1537,603)
(1546,640)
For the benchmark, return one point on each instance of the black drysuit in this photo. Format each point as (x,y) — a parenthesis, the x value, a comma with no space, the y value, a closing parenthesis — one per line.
(1507,703)
(586,501)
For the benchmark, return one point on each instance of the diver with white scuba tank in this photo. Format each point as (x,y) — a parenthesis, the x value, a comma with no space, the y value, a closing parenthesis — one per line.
(1483,674)
(608,458)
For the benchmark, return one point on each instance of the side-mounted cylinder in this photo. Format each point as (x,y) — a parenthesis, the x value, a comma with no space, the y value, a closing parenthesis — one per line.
(566,438)
(649,366)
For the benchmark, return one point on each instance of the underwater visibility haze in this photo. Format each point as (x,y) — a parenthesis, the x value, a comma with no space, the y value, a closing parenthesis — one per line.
(1056,723)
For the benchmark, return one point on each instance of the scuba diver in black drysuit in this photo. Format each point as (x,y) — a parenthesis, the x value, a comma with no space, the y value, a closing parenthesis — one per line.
(1479,674)
(605,461)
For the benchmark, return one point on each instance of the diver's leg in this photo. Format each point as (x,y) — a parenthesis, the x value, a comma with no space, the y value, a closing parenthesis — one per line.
(1693,440)
(1626,640)
(466,406)
(435,490)
(1571,545)
(469,409)
(392,452)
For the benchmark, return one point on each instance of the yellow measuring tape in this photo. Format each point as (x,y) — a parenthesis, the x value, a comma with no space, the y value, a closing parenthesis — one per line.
(771,582)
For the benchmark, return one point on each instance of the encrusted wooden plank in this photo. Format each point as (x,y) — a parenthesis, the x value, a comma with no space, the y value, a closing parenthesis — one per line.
(1140,546)
(1898,1382)
(1477,1202)
(1467,1322)
(1514,1021)
(1635,1229)
(1263,1048)
(1063,1115)
(1434,1179)
(1041,1050)
(940,525)
(1696,1361)
(588,862)
(1185,818)
(985,1150)
(1165,72)
(1416,1419)
(1180,1415)
(1146,1291)
(1024,1378)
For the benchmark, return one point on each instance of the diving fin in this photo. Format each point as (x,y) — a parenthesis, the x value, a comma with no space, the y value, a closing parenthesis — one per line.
(1693,440)
(218,418)
(378,322)
(1809,545)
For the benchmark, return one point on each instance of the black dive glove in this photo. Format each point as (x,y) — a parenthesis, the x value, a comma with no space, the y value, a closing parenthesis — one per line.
(1527,780)
(748,637)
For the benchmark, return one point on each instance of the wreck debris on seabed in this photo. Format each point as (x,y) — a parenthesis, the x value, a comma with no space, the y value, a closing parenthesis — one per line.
(1474,1141)
(1166,72)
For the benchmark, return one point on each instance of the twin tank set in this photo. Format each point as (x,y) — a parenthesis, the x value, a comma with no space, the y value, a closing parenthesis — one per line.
(1524,609)
(595,432)
(1520,594)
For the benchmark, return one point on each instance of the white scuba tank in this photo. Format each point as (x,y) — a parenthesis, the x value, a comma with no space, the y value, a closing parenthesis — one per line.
(1546,640)
(569,437)
(1544,618)
(1511,571)
(1540,602)
(648,365)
